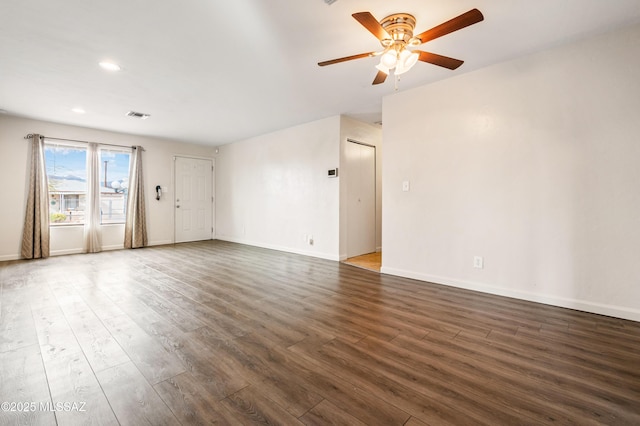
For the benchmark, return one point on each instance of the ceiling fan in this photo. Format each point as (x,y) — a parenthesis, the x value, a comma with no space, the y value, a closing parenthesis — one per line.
(395,33)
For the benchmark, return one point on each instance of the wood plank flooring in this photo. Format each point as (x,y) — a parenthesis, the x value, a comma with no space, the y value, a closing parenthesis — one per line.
(371,261)
(220,333)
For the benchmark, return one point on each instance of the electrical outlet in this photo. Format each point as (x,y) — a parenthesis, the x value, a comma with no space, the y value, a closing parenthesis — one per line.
(478,262)
(310,240)
(405,186)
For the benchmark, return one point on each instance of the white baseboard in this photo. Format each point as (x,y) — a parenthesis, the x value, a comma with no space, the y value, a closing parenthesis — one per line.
(65,252)
(326,256)
(80,251)
(580,305)
(159,243)
(7,257)
(58,253)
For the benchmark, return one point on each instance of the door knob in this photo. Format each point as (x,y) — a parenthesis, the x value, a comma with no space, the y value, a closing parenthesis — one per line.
(178,206)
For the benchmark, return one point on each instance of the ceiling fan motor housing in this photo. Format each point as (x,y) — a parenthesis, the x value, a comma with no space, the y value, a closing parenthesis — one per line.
(400,27)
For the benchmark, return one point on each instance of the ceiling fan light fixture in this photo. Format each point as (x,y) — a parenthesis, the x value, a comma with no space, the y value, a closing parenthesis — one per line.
(409,58)
(395,33)
(389,59)
(381,67)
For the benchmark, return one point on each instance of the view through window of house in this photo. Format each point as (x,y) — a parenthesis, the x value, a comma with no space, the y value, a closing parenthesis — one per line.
(67,174)
(114,183)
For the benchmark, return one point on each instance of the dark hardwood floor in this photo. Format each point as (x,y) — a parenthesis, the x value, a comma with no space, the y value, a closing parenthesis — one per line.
(215,332)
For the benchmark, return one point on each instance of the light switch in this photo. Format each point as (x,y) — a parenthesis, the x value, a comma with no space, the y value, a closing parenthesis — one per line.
(405,186)
(478,262)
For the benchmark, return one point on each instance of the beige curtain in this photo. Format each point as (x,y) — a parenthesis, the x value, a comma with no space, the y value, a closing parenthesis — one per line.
(135,229)
(92,219)
(35,235)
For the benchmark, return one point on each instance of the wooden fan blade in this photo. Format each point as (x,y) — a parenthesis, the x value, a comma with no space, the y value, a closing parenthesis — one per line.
(380,78)
(371,23)
(346,58)
(442,61)
(459,22)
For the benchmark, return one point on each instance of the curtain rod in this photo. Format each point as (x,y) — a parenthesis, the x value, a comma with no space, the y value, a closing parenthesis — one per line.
(30,135)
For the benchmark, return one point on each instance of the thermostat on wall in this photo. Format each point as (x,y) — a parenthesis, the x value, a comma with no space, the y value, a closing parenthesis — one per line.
(333,172)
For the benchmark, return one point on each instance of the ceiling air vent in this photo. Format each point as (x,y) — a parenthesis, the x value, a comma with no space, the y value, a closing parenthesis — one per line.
(140,115)
(330,2)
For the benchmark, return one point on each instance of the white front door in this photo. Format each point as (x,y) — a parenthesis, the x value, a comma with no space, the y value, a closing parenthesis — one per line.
(361,194)
(194,199)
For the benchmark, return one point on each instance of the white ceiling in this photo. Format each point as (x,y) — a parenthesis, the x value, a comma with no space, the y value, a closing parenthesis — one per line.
(214,72)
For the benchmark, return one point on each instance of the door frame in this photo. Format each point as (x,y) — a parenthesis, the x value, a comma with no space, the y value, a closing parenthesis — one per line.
(213,192)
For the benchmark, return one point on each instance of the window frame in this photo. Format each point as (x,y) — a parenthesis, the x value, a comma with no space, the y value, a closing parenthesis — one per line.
(82,146)
(116,150)
(78,146)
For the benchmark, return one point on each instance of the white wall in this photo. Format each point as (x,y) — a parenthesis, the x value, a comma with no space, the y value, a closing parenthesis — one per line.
(158,170)
(273,189)
(532,164)
(371,135)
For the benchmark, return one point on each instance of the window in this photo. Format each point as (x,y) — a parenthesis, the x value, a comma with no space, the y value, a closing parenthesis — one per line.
(70,202)
(67,174)
(114,172)
(66,165)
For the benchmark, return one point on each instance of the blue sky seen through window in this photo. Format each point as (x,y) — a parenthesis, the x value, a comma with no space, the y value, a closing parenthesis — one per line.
(66,164)
(69,164)
(117,166)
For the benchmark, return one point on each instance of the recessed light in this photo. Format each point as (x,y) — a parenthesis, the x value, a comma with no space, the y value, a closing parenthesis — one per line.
(78,110)
(109,66)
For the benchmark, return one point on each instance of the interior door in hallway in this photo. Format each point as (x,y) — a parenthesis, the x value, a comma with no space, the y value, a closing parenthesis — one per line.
(193,199)
(361,194)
